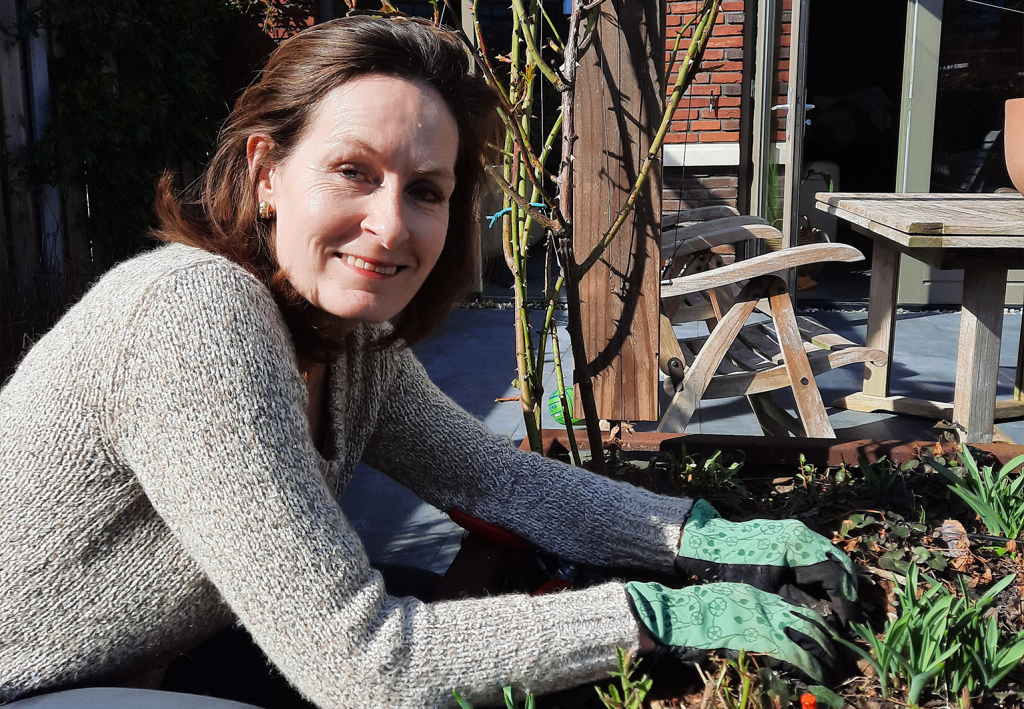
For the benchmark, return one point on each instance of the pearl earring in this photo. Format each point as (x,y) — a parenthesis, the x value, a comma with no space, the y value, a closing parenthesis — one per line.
(265,211)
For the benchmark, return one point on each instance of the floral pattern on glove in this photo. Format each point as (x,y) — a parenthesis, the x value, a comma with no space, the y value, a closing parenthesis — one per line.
(731,616)
(786,543)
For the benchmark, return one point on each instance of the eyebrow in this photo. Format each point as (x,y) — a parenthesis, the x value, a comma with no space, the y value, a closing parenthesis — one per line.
(428,171)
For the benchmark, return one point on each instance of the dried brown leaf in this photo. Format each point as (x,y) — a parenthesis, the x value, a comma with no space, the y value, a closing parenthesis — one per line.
(986,574)
(963,563)
(785,484)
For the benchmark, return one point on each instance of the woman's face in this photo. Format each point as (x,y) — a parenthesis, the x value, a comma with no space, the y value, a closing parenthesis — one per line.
(362,202)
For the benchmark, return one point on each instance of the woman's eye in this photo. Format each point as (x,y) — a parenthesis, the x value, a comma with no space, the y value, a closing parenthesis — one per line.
(427,193)
(350,172)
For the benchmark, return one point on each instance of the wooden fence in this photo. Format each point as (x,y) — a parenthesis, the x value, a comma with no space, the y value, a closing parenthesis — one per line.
(48,256)
(45,258)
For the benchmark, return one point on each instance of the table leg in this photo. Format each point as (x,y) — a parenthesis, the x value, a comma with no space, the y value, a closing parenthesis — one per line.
(1018,382)
(977,366)
(885,280)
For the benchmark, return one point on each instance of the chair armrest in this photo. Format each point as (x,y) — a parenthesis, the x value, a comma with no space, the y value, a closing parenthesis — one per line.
(681,233)
(760,266)
(699,214)
(716,237)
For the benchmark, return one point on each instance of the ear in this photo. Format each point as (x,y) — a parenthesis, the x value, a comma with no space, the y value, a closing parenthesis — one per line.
(257,148)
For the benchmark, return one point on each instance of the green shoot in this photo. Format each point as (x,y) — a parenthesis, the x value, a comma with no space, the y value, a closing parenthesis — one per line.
(997,498)
(633,691)
(940,638)
(509,696)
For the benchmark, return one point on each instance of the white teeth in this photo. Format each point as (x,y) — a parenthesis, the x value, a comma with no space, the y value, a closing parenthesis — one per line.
(359,263)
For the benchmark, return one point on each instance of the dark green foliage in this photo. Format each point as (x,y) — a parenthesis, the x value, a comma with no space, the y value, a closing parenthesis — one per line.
(941,639)
(996,497)
(880,478)
(133,91)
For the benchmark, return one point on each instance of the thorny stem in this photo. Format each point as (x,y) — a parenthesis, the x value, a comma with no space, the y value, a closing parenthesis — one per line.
(566,412)
(567,255)
(522,166)
(514,172)
(548,144)
(531,47)
(520,201)
(548,317)
(698,43)
(551,25)
(506,224)
(506,111)
(483,60)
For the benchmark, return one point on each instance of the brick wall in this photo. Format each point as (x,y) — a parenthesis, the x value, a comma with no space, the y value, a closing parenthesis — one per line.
(698,187)
(709,113)
(710,110)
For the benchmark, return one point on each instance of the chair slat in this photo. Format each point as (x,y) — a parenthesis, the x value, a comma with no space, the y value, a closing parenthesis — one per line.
(758,339)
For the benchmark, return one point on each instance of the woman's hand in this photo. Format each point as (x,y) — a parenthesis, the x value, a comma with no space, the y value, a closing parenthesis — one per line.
(646,644)
(779,556)
(733,617)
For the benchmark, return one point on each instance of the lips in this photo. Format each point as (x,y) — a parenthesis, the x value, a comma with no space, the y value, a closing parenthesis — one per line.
(382,269)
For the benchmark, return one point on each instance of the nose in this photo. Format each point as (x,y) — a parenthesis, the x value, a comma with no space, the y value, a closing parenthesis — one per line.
(384,216)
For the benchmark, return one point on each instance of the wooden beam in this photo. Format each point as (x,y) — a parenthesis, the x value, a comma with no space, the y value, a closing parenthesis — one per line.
(801,377)
(977,366)
(885,279)
(619,103)
(1006,409)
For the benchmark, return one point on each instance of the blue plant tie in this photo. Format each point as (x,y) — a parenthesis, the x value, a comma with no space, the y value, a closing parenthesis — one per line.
(498,215)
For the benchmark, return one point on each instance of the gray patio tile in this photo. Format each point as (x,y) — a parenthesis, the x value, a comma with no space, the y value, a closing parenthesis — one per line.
(729,417)
(1013,429)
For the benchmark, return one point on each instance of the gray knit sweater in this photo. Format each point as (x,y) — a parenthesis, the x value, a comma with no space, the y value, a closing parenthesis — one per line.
(158,482)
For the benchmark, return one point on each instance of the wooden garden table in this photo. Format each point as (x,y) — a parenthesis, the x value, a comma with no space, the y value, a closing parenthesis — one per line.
(980,233)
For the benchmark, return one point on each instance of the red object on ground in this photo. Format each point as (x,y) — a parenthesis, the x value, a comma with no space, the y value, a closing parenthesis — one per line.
(486,530)
(808,701)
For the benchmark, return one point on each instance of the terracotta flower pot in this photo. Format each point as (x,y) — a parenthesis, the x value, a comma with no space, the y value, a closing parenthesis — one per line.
(1013,141)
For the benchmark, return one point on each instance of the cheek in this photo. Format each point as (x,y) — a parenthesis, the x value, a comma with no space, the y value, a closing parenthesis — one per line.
(434,244)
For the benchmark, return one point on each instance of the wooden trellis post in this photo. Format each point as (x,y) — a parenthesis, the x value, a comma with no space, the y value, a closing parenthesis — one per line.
(619,105)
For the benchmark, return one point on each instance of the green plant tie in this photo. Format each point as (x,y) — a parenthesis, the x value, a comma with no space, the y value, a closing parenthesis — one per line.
(761,552)
(734,617)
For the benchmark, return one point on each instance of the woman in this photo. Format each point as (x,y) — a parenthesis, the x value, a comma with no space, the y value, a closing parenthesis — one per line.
(172,452)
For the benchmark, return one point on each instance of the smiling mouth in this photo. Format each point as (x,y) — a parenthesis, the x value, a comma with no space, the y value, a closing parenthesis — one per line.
(367,266)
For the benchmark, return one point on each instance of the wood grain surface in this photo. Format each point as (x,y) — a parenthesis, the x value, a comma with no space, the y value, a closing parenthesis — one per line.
(619,104)
(977,365)
(801,377)
(933,220)
(885,280)
(759,266)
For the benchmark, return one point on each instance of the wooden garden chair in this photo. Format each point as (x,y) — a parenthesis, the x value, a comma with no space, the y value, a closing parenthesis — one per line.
(737,358)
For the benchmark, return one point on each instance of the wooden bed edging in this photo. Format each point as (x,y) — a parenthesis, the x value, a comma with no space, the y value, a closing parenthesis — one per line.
(762,455)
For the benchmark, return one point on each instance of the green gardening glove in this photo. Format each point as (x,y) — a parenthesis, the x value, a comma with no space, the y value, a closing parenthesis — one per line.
(779,556)
(696,620)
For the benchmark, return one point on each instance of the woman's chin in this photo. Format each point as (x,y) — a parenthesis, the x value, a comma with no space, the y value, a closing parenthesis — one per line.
(361,315)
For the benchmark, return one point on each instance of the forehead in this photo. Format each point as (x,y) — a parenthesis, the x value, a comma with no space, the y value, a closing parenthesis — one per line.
(391,115)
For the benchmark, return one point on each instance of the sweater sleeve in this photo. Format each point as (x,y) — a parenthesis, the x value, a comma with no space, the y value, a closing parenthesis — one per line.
(448,458)
(207,410)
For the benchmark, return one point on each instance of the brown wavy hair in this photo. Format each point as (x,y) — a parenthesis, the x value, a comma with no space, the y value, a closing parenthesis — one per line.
(222,216)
